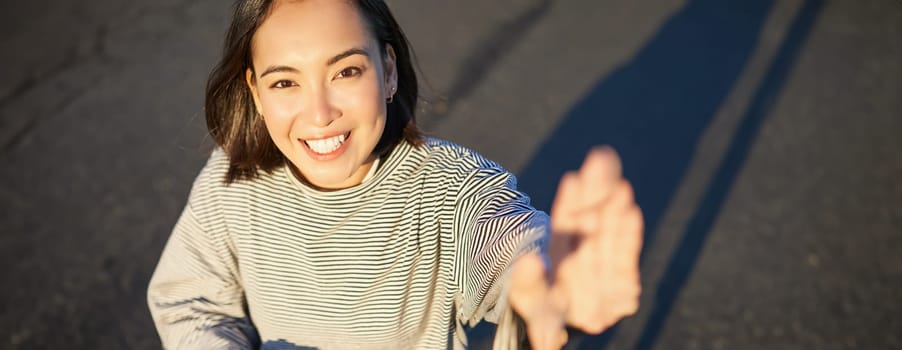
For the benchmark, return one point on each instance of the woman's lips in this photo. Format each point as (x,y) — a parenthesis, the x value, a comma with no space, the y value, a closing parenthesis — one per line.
(327,148)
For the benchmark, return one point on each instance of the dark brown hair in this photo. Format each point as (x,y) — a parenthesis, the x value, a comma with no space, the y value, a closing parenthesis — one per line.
(232,119)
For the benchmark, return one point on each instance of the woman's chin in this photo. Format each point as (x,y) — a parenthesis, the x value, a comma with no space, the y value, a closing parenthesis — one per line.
(325,179)
(341,172)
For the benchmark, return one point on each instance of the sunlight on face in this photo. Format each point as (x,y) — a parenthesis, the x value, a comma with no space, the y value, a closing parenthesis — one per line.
(320,84)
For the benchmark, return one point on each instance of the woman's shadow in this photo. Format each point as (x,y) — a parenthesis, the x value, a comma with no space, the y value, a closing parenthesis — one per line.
(654,110)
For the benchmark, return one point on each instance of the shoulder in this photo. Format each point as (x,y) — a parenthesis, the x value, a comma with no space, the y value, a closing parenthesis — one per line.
(462,169)
(210,184)
(212,176)
(450,156)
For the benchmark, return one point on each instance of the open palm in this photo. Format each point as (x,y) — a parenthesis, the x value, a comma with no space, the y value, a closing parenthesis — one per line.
(593,278)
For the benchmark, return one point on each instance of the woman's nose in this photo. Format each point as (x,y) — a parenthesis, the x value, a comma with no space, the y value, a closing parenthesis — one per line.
(323,111)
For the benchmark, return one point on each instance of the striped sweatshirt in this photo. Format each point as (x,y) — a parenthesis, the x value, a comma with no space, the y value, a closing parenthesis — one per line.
(404,260)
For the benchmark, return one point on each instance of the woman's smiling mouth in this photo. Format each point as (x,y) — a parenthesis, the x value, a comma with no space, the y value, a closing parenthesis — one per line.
(327,148)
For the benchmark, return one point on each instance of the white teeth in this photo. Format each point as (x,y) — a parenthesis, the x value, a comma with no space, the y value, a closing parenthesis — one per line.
(325,146)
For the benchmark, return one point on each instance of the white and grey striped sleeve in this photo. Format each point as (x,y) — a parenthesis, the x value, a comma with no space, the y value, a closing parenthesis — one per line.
(495,224)
(194,296)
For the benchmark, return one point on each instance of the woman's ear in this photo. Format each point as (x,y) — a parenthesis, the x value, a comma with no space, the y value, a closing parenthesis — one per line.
(391,70)
(252,85)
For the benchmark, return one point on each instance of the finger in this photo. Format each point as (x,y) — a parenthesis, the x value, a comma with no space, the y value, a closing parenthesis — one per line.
(623,244)
(547,329)
(631,301)
(565,209)
(541,308)
(616,218)
(528,284)
(633,232)
(600,177)
(627,297)
(621,196)
(630,240)
(529,287)
(626,241)
(599,171)
(541,340)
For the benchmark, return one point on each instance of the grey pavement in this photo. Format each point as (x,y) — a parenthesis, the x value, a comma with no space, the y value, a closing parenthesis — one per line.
(762,138)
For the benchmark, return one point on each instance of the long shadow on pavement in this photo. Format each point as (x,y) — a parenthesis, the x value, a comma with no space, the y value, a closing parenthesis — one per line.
(686,255)
(653,111)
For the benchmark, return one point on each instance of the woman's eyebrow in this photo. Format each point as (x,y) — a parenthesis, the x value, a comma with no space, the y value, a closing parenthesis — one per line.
(331,61)
(278,69)
(345,54)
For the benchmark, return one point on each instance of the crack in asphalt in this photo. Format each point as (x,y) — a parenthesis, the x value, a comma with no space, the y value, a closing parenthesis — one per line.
(97,52)
(31,123)
(30,82)
(477,65)
(71,60)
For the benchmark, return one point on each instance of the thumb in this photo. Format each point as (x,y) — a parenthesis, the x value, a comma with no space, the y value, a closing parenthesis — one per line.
(537,303)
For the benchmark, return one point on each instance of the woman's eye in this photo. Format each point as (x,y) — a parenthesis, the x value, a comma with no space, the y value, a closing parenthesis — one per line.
(281,84)
(349,72)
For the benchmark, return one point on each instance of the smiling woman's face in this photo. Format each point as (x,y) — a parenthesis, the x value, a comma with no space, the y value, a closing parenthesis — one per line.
(320,83)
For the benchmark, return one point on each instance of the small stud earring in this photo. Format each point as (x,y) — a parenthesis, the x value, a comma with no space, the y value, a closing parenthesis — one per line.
(391,96)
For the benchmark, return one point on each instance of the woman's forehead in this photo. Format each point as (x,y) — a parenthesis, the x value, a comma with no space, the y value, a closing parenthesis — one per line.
(319,16)
(311,28)
(310,32)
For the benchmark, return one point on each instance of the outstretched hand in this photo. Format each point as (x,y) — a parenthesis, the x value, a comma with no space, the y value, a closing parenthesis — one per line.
(596,237)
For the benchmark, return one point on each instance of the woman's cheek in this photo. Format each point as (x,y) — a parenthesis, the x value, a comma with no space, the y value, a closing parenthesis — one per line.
(281,106)
(344,97)
(362,98)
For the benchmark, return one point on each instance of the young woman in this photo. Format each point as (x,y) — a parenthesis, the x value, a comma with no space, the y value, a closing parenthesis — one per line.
(325,220)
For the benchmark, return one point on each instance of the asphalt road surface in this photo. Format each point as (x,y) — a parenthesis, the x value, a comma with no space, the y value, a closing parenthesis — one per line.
(763,139)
